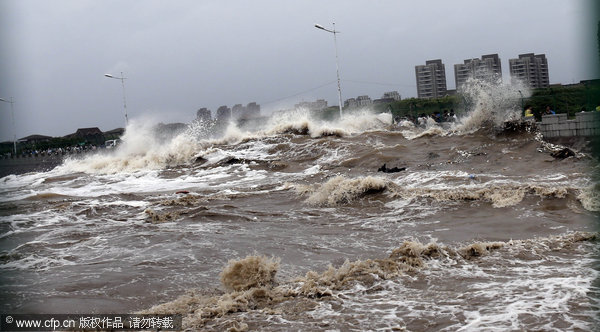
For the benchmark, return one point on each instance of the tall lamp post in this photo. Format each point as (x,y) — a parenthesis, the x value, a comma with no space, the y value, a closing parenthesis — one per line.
(12,112)
(122,78)
(337,66)
(522,107)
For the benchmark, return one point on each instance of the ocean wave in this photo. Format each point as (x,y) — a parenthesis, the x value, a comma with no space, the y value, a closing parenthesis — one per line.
(490,105)
(500,195)
(250,283)
(340,190)
(590,197)
(142,149)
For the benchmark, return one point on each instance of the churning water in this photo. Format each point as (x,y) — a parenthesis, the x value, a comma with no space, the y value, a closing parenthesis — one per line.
(291,227)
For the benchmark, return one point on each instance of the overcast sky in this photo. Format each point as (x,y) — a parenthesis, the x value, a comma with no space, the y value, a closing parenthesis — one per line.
(181,55)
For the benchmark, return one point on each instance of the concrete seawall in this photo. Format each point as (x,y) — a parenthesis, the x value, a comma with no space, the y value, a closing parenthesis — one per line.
(585,124)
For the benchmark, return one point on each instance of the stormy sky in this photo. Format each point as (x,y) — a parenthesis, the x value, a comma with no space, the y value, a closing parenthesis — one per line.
(181,55)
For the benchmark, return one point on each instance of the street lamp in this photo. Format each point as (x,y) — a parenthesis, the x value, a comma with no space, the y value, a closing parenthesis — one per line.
(521,93)
(122,78)
(337,66)
(12,112)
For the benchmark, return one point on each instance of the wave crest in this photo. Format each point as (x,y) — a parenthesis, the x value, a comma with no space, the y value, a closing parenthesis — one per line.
(142,148)
(340,190)
(499,195)
(303,294)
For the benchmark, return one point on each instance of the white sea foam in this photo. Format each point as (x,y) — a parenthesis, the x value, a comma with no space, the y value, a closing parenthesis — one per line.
(493,102)
(142,149)
(488,103)
(313,170)
(498,292)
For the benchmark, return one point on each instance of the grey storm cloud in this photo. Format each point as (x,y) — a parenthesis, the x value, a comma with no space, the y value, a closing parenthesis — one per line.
(181,55)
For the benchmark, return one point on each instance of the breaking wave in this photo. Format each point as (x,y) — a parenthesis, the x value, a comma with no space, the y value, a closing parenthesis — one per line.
(301,121)
(590,197)
(300,295)
(492,103)
(499,195)
(141,149)
(489,104)
(340,190)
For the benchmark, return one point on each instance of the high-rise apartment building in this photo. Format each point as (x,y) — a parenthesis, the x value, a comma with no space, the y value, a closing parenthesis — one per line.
(203,114)
(431,79)
(223,113)
(531,69)
(487,68)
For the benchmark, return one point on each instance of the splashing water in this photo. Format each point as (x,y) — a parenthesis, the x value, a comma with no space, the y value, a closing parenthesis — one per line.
(492,103)
(489,104)
(144,148)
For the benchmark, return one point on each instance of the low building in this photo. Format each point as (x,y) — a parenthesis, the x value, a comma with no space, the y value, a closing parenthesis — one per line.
(384,101)
(114,134)
(35,139)
(395,95)
(350,103)
(89,135)
(363,100)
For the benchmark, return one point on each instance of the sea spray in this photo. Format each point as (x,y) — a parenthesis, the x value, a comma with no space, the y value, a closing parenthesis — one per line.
(301,121)
(142,148)
(491,103)
(252,271)
(488,104)
(589,197)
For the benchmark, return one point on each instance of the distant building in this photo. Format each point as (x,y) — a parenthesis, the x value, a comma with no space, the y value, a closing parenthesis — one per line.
(363,100)
(431,79)
(487,68)
(252,110)
(34,139)
(91,135)
(384,101)
(113,134)
(531,69)
(350,103)
(204,114)
(165,131)
(223,113)
(317,105)
(237,111)
(388,97)
(391,95)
